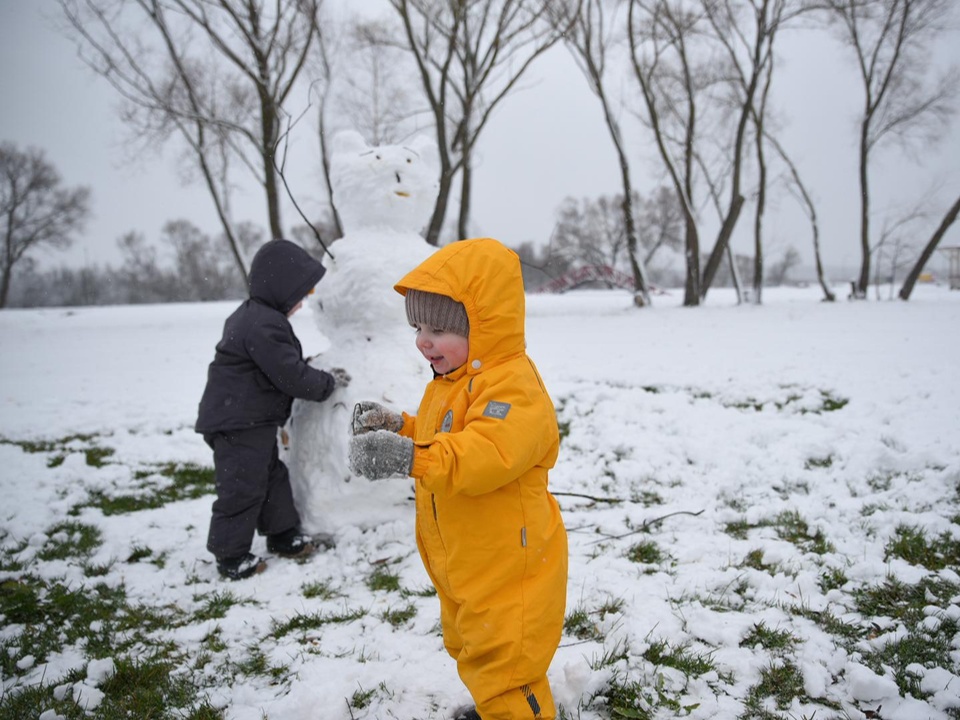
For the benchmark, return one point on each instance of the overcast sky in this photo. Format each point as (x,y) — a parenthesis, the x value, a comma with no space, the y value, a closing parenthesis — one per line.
(545,144)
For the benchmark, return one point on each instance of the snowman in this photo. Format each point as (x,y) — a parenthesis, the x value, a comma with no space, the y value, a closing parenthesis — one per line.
(384,196)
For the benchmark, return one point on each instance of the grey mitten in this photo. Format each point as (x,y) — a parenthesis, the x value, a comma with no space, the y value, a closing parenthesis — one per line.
(380,454)
(369,416)
(341,378)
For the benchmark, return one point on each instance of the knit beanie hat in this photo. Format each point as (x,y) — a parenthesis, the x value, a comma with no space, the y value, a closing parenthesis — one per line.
(437,311)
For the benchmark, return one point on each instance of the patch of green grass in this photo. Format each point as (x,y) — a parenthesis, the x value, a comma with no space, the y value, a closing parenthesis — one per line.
(304,622)
(754,560)
(55,616)
(319,589)
(775,641)
(679,657)
(832,579)
(818,462)
(913,545)
(423,592)
(150,689)
(781,681)
(738,529)
(139,553)
(831,402)
(845,633)
(645,552)
(256,664)
(579,624)
(70,539)
(381,579)
(790,526)
(215,605)
(647,498)
(184,481)
(624,698)
(362,698)
(96,456)
(401,616)
(926,643)
(794,529)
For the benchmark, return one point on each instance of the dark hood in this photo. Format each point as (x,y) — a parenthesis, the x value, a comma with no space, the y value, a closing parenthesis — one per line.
(282,273)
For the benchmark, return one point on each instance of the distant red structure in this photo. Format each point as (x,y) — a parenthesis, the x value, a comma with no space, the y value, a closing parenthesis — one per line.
(589,273)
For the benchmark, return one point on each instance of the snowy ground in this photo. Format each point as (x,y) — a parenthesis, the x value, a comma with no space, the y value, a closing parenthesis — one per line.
(773,452)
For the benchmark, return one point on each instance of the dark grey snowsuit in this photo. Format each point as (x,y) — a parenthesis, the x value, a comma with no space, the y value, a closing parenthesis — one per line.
(256,373)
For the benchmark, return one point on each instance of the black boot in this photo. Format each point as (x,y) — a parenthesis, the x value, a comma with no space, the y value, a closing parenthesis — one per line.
(241,567)
(291,544)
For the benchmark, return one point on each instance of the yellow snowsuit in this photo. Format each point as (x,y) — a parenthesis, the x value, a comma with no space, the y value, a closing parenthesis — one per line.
(489,532)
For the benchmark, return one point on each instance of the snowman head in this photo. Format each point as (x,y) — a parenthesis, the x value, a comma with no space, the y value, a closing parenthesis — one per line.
(388,187)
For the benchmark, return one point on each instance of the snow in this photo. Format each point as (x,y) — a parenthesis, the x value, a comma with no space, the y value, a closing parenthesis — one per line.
(694,417)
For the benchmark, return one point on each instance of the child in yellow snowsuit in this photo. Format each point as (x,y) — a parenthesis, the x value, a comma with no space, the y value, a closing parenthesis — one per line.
(489,531)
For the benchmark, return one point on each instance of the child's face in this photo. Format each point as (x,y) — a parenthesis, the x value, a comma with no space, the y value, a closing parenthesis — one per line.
(299,304)
(446,351)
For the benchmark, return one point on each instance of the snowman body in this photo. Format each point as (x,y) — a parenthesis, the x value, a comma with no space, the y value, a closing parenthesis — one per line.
(384,196)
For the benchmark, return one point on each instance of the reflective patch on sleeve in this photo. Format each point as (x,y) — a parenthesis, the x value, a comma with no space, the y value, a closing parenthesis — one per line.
(496,409)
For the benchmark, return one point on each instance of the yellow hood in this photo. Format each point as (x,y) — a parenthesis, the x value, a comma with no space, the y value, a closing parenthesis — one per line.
(485,276)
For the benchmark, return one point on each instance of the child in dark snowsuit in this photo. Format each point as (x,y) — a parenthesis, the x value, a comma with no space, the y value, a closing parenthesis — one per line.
(256,373)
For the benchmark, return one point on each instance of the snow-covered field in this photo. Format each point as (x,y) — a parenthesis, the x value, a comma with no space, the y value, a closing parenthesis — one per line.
(774,454)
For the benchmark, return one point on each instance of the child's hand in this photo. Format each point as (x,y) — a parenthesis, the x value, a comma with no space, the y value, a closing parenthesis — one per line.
(341,378)
(369,416)
(380,454)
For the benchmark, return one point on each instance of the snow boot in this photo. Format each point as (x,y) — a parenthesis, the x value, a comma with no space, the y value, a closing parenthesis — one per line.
(466,713)
(291,544)
(241,567)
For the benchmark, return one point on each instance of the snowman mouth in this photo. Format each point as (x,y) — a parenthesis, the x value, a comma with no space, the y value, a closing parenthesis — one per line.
(401,193)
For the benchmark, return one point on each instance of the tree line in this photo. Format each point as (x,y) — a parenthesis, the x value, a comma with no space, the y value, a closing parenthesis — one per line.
(230,83)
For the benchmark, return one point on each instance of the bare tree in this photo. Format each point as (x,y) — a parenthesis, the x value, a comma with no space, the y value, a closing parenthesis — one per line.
(747,30)
(469,55)
(782,267)
(591,232)
(589,39)
(890,40)
(673,76)
(216,73)
(928,249)
(375,92)
(35,209)
(199,271)
(660,223)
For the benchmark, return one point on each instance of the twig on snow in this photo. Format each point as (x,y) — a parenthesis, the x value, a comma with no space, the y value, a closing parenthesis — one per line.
(588,497)
(647,524)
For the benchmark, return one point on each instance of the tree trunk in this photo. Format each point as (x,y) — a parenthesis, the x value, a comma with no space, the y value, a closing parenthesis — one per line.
(440,207)
(864,280)
(914,273)
(466,187)
(758,221)
(691,291)
(716,255)
(5,285)
(735,274)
